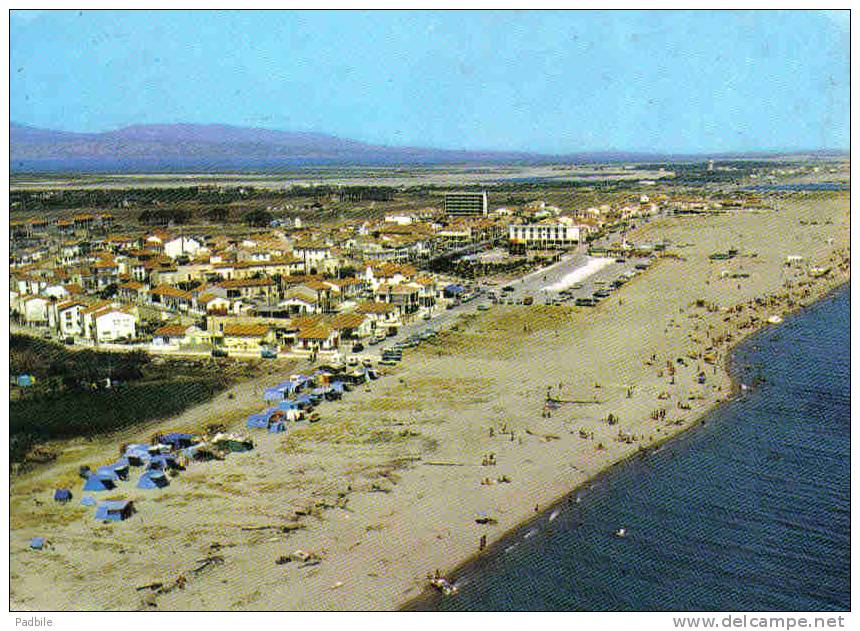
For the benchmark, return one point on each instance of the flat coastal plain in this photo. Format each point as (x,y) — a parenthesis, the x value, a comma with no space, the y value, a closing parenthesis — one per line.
(386,488)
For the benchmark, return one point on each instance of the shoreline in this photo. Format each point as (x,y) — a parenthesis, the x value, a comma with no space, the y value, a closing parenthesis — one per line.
(498,546)
(490,372)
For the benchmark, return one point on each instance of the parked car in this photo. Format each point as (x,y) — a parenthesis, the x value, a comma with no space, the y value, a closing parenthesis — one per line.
(507,288)
(357,347)
(426,316)
(528,300)
(268,353)
(219,352)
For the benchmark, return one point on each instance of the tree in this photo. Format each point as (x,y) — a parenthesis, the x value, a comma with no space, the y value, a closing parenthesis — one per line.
(218,214)
(258,218)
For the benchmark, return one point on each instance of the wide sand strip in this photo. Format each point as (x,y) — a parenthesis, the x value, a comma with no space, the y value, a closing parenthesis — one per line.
(387,487)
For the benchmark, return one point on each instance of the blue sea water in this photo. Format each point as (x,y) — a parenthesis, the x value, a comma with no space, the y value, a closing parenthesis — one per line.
(750,511)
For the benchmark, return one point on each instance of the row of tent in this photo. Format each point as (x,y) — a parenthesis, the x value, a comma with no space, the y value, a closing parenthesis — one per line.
(323,385)
(149,479)
(317,383)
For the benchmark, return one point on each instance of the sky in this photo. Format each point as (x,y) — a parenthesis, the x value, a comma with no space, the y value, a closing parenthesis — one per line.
(550,82)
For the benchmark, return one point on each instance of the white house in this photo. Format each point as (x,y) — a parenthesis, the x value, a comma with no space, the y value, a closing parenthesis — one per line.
(34,310)
(57,291)
(182,246)
(69,317)
(108,323)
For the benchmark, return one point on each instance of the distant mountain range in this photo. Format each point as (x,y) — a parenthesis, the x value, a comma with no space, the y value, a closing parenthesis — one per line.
(196,148)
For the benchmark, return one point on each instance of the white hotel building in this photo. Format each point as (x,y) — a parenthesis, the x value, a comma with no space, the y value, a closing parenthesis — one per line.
(545,235)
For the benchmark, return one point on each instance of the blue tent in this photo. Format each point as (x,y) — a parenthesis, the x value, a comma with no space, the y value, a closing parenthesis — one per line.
(287,405)
(277,427)
(62,495)
(337,386)
(107,472)
(162,462)
(260,420)
(304,401)
(189,452)
(152,480)
(115,511)
(88,500)
(177,440)
(137,455)
(97,482)
(275,394)
(25,380)
(453,290)
(37,543)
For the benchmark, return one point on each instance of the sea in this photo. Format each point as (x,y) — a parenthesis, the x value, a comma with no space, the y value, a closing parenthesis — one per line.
(749,511)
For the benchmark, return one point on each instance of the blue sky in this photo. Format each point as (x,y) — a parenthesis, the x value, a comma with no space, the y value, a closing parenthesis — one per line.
(552,82)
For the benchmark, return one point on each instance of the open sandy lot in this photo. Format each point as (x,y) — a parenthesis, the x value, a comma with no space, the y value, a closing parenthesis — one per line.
(386,488)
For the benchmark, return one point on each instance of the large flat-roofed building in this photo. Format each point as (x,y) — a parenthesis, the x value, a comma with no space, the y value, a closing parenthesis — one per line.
(544,236)
(466,203)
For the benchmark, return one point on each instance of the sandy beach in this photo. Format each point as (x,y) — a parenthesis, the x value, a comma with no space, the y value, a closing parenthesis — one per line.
(387,487)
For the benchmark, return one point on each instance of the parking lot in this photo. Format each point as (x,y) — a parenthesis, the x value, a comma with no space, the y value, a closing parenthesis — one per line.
(556,284)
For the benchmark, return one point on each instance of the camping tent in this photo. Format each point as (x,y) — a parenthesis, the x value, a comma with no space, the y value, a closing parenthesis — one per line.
(177,440)
(62,495)
(274,394)
(304,401)
(137,455)
(162,462)
(25,380)
(37,543)
(88,500)
(260,420)
(98,482)
(277,427)
(120,467)
(287,405)
(115,511)
(453,290)
(152,480)
(107,472)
